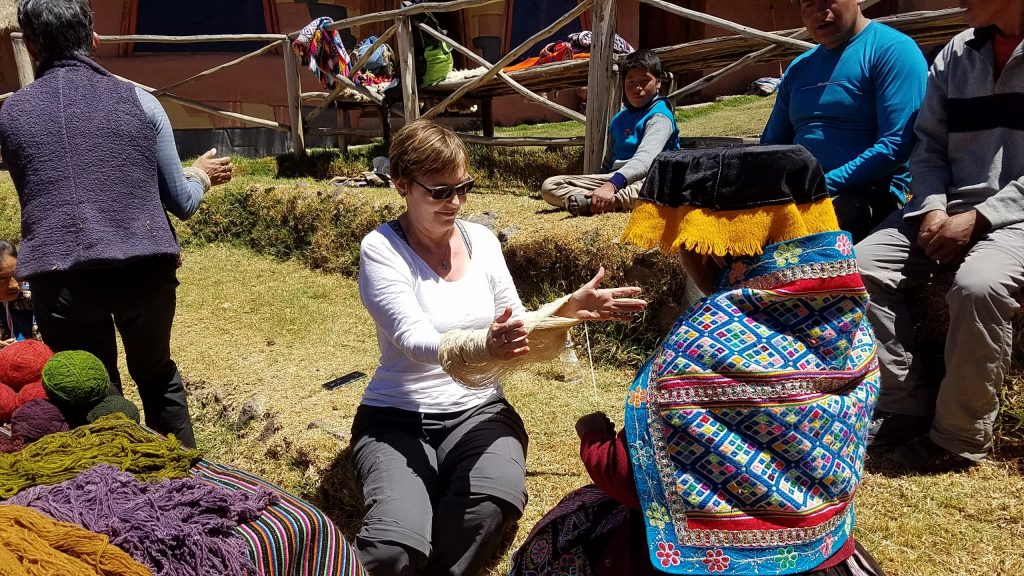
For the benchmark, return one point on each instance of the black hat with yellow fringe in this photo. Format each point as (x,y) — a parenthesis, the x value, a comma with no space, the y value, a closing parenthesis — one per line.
(732,200)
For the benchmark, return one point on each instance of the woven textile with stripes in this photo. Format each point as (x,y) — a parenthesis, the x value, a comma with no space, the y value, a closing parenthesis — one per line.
(291,537)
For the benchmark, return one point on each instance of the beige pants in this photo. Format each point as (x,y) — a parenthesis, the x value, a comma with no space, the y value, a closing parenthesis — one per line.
(979,342)
(557,189)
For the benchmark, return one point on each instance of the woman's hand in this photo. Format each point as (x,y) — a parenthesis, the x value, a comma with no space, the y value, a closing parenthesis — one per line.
(6,343)
(507,339)
(218,169)
(593,303)
(594,421)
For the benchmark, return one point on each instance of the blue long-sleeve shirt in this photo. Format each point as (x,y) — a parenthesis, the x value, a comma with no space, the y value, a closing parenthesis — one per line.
(853,108)
(180,196)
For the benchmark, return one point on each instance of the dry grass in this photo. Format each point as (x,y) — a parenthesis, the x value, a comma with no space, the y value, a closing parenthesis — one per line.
(255,331)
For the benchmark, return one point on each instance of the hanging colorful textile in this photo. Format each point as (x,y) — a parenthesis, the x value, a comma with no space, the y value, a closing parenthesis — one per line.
(320,49)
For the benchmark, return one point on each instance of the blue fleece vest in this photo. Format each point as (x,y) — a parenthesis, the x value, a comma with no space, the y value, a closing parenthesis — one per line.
(626,129)
(82,154)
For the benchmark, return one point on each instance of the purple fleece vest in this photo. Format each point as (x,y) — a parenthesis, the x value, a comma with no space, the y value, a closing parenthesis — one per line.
(82,153)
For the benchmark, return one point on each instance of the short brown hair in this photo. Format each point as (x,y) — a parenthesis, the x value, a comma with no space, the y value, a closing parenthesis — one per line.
(424,147)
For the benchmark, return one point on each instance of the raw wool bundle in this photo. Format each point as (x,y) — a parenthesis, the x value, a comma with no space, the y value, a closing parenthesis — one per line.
(34,545)
(33,391)
(22,362)
(75,379)
(113,439)
(175,527)
(9,402)
(114,403)
(463,353)
(36,419)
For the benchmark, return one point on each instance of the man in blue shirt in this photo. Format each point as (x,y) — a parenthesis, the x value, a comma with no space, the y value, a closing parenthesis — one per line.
(852,101)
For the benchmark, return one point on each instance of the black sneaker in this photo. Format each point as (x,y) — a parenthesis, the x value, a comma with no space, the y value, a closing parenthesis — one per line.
(923,455)
(889,429)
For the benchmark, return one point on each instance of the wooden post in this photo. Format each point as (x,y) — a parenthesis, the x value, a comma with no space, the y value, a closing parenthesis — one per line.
(291,76)
(407,65)
(600,83)
(487,117)
(344,122)
(385,124)
(26,74)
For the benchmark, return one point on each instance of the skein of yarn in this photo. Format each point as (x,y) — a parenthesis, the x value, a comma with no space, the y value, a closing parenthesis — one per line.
(33,391)
(9,445)
(22,362)
(9,402)
(111,404)
(75,379)
(36,419)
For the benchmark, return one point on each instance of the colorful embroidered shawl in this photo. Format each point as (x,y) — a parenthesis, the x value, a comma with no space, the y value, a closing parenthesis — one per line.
(747,428)
(320,49)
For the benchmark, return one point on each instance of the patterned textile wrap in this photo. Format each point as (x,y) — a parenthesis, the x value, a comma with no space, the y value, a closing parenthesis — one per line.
(320,49)
(290,537)
(747,428)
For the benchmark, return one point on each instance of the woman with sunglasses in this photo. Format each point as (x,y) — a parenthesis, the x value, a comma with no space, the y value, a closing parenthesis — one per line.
(442,466)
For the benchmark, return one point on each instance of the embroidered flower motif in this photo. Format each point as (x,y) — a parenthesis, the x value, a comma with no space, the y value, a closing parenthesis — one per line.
(716,560)
(668,554)
(657,516)
(786,558)
(826,546)
(539,551)
(637,397)
(844,245)
(642,455)
(787,254)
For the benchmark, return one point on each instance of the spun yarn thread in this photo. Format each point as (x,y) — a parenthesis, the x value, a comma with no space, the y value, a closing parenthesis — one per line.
(9,402)
(75,379)
(33,391)
(113,439)
(9,445)
(175,527)
(110,405)
(36,419)
(22,362)
(36,545)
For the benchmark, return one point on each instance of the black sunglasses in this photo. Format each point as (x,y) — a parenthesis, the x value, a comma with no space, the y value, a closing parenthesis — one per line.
(446,192)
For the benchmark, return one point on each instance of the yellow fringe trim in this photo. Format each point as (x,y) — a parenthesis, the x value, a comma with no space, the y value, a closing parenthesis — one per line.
(730,232)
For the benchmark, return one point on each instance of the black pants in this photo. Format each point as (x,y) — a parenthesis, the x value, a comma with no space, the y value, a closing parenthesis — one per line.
(862,211)
(79,310)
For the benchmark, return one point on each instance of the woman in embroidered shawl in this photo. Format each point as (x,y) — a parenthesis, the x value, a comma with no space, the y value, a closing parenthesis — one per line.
(745,431)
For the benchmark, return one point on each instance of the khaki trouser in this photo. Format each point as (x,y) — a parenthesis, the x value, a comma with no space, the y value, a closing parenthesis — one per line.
(979,342)
(557,189)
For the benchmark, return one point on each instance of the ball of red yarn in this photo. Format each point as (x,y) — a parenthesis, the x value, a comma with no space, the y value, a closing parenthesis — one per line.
(9,401)
(33,391)
(35,419)
(22,362)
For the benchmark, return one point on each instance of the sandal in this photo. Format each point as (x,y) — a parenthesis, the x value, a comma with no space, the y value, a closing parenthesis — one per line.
(578,205)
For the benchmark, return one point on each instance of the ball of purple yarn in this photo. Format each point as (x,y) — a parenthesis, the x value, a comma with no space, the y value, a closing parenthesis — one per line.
(35,419)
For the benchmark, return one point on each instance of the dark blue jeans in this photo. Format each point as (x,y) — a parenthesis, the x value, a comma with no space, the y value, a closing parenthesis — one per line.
(80,309)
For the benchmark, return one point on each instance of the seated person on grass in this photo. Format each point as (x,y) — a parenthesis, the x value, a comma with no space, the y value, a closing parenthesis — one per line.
(644,128)
(967,215)
(745,431)
(852,101)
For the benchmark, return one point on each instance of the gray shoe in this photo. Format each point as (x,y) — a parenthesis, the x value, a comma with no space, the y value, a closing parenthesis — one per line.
(579,205)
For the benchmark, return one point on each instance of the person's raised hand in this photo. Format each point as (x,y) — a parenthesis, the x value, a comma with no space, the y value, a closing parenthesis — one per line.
(218,169)
(591,302)
(602,198)
(506,339)
(594,421)
(955,236)
(930,224)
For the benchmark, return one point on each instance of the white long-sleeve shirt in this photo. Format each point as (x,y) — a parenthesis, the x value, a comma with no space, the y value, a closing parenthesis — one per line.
(412,307)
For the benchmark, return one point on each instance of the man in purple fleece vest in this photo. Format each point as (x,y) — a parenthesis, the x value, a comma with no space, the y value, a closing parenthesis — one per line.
(94,164)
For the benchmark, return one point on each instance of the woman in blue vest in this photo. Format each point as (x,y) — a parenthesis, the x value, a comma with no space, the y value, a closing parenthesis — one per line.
(644,128)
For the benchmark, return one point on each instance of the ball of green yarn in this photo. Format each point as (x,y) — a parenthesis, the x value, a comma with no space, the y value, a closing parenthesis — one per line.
(75,378)
(111,404)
